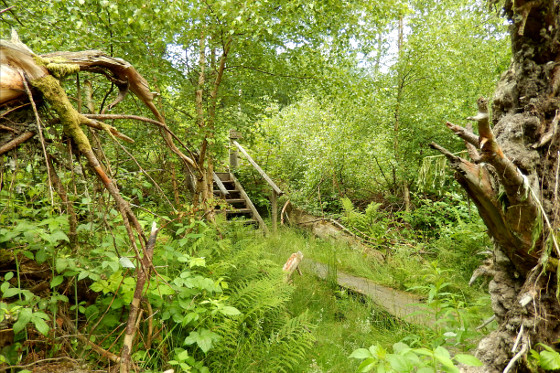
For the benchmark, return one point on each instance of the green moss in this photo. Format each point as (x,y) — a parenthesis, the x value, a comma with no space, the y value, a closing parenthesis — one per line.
(57,66)
(60,70)
(69,117)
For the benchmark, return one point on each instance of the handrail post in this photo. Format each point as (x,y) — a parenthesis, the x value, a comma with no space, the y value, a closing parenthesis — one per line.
(274,202)
(233,135)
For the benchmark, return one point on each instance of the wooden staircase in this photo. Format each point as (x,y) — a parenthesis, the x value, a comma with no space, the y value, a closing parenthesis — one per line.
(239,206)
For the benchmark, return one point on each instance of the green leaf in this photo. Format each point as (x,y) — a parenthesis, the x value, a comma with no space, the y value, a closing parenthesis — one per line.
(469,360)
(398,363)
(204,339)
(197,262)
(82,275)
(41,325)
(426,370)
(41,256)
(361,353)
(57,280)
(367,365)
(442,355)
(61,264)
(550,360)
(230,311)
(400,347)
(24,317)
(5,286)
(11,292)
(57,236)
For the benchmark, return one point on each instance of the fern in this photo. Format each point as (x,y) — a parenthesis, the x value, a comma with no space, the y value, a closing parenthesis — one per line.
(289,345)
(265,337)
(371,223)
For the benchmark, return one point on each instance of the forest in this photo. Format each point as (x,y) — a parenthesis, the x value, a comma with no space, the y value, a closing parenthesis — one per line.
(304,186)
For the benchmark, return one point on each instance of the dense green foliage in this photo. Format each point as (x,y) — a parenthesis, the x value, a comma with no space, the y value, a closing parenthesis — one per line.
(333,107)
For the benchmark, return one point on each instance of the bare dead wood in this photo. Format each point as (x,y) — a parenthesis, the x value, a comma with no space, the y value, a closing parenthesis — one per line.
(106,127)
(39,130)
(7,9)
(292,264)
(477,182)
(12,144)
(472,148)
(10,110)
(125,77)
(101,351)
(143,273)
(220,185)
(284,212)
(464,134)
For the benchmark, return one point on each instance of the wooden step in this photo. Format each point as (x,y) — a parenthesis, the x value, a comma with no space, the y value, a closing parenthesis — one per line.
(238,211)
(235,200)
(245,221)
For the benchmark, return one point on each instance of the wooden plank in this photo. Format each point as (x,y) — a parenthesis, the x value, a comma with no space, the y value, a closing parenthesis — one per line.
(405,306)
(220,185)
(258,168)
(250,205)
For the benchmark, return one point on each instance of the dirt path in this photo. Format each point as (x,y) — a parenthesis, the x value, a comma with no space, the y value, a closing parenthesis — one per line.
(398,303)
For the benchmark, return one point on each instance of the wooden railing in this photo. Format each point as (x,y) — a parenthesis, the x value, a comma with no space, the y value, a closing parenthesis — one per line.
(220,185)
(276,191)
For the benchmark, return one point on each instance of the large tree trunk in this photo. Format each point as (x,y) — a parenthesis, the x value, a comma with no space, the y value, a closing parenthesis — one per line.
(514,180)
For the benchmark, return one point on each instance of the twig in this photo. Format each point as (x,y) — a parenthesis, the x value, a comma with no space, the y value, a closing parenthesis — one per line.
(105,127)
(464,133)
(51,359)
(13,109)
(284,212)
(150,212)
(6,128)
(141,119)
(101,351)
(516,357)
(519,336)
(5,10)
(148,175)
(311,221)
(486,322)
(366,238)
(40,130)
(142,275)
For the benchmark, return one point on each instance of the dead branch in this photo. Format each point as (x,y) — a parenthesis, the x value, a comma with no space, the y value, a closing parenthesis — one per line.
(16,142)
(477,182)
(5,10)
(143,274)
(464,133)
(108,128)
(39,130)
(472,148)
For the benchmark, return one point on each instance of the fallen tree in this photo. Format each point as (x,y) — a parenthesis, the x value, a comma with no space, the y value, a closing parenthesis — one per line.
(27,79)
(513,178)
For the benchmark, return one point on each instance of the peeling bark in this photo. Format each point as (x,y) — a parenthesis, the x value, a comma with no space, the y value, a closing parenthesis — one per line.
(514,184)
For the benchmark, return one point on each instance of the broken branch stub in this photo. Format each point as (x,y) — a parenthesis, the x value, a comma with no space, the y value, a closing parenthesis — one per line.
(509,223)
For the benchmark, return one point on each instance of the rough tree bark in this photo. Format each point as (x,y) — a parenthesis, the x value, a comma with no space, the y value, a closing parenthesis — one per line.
(513,178)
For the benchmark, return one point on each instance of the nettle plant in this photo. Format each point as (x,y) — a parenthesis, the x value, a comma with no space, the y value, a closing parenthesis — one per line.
(407,359)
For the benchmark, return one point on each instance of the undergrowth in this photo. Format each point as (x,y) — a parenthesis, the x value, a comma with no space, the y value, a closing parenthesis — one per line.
(219,301)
